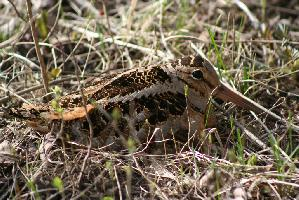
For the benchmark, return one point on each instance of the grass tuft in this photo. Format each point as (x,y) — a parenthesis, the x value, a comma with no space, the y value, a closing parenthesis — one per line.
(254,46)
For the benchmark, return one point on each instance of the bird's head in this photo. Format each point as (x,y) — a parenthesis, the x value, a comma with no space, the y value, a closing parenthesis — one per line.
(202,79)
(197,73)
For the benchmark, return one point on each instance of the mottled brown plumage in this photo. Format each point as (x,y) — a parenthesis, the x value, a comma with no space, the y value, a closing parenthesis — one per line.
(172,96)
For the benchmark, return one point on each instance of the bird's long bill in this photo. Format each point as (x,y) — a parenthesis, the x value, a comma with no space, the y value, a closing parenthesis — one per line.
(226,93)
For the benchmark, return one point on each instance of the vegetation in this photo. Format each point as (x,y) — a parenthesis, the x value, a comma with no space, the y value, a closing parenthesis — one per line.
(253,44)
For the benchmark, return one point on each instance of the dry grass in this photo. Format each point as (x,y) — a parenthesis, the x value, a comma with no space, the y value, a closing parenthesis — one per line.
(253,45)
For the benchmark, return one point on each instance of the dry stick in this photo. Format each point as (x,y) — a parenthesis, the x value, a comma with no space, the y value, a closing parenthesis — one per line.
(131,15)
(234,41)
(247,132)
(266,111)
(255,22)
(260,109)
(118,184)
(108,22)
(56,20)
(109,28)
(115,40)
(289,94)
(251,135)
(16,10)
(11,41)
(37,49)
(271,134)
(14,94)
(83,31)
(152,52)
(87,58)
(170,54)
(62,43)
(30,64)
(52,28)
(77,69)
(36,87)
(90,132)
(273,7)
(190,37)
(138,168)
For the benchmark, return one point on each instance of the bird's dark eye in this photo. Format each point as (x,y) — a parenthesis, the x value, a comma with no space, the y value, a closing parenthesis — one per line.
(197,74)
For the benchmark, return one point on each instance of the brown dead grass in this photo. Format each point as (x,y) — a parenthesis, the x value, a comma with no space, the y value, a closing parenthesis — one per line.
(259,57)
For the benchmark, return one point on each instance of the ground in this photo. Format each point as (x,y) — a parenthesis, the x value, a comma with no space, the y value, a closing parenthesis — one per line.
(254,46)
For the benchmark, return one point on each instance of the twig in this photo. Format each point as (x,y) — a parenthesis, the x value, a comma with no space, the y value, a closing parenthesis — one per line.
(109,27)
(31,64)
(190,37)
(14,94)
(11,41)
(88,5)
(91,133)
(37,49)
(131,15)
(90,34)
(118,184)
(255,22)
(260,109)
(107,19)
(250,135)
(153,52)
(36,87)
(56,20)
(138,168)
(271,134)
(16,10)
(273,7)
(170,54)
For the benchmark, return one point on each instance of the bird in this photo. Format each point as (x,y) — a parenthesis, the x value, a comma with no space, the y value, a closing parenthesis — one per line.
(172,96)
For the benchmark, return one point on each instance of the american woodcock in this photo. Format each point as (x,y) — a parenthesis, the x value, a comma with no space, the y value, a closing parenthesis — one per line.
(171,96)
